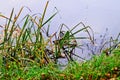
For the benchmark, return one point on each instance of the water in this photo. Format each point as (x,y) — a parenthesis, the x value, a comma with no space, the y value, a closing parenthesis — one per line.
(99,14)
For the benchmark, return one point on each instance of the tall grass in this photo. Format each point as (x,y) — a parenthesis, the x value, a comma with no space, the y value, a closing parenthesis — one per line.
(27,43)
(21,44)
(30,45)
(31,42)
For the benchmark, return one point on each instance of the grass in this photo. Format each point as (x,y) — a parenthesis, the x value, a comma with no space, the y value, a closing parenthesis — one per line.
(101,67)
(29,52)
(31,42)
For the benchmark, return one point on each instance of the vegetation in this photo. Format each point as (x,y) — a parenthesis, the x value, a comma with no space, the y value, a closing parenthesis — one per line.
(28,51)
(101,67)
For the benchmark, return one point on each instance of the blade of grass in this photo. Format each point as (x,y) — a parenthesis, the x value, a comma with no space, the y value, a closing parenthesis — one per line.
(43,15)
(25,24)
(49,19)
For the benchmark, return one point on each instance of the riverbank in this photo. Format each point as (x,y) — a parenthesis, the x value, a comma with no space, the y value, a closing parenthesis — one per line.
(29,52)
(101,67)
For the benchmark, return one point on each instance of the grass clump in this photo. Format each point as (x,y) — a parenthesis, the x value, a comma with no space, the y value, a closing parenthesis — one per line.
(25,43)
(31,42)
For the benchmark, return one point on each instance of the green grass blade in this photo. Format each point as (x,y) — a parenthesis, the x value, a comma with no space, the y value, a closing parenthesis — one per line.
(43,15)
(79,31)
(25,24)
(49,19)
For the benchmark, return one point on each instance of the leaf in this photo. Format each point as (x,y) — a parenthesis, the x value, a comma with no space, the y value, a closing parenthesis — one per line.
(49,19)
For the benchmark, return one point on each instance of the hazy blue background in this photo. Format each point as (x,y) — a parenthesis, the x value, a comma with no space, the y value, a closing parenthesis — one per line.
(99,14)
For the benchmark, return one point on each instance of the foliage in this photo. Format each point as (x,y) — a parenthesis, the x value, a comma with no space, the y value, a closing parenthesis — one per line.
(31,42)
(101,67)
(28,51)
